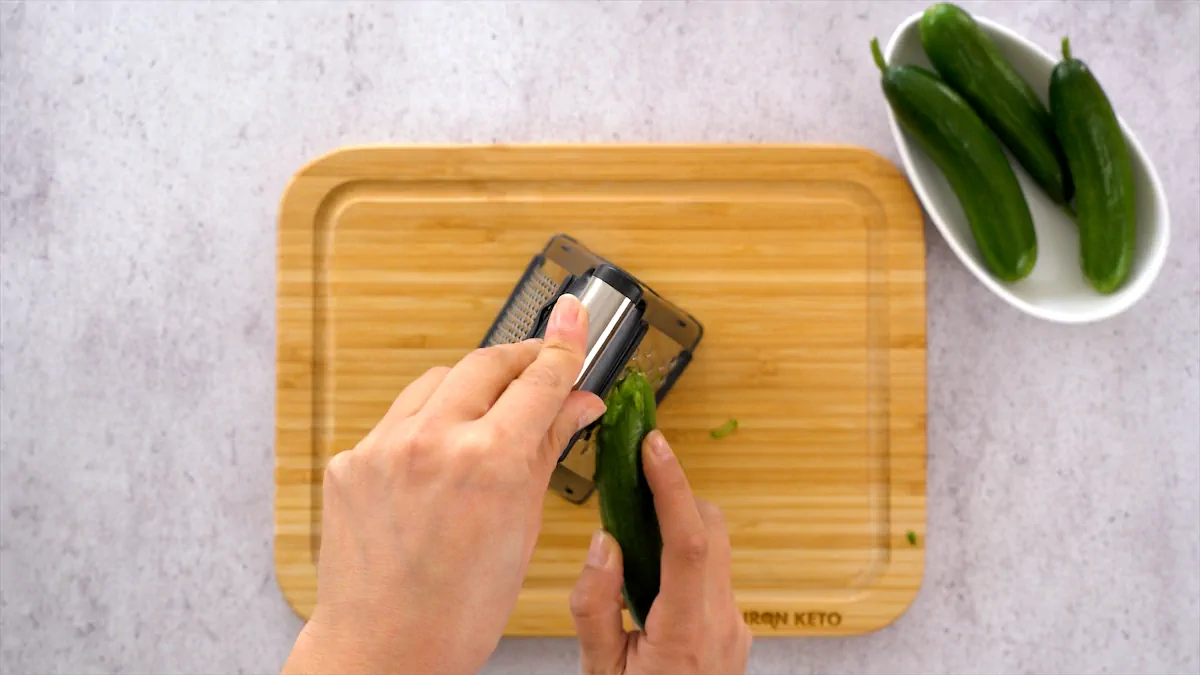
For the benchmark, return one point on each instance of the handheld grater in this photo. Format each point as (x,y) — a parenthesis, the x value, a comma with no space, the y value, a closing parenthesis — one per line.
(629,327)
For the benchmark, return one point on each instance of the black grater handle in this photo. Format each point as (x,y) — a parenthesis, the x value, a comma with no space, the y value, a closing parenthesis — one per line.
(615,307)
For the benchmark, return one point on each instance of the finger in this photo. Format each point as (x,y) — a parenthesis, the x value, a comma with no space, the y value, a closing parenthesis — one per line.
(596,607)
(478,379)
(720,556)
(533,400)
(581,409)
(680,605)
(414,396)
(408,403)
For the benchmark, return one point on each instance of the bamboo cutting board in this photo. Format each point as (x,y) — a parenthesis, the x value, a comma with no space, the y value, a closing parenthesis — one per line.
(805,264)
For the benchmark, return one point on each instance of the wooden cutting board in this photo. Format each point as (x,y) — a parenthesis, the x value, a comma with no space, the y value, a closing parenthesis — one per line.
(805,264)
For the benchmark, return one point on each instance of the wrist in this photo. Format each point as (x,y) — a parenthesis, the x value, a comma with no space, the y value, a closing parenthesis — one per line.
(318,649)
(332,644)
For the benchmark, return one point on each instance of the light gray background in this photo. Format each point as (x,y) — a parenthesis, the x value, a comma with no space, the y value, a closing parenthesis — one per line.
(145,148)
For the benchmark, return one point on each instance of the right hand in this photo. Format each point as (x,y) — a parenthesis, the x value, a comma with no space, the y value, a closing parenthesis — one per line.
(429,522)
(694,625)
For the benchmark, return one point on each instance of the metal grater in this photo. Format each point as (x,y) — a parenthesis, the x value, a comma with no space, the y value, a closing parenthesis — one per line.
(521,313)
(630,327)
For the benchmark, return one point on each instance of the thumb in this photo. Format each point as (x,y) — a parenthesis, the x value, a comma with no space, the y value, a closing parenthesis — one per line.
(596,608)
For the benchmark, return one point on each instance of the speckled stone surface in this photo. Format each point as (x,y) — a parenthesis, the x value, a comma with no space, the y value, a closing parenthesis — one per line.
(144,150)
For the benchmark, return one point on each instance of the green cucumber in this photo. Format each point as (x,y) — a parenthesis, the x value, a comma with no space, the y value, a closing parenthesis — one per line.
(626,502)
(972,160)
(969,61)
(1105,199)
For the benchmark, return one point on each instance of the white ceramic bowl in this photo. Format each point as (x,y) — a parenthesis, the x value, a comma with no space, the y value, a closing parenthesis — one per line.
(1056,290)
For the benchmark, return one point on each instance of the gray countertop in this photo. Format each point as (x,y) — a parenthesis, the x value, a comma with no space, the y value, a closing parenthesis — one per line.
(144,150)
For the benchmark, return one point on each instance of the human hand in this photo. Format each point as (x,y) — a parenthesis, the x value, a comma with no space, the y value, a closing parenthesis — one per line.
(429,522)
(694,625)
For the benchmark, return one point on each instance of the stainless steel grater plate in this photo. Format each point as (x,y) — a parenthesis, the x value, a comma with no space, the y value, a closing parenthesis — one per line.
(519,317)
(663,353)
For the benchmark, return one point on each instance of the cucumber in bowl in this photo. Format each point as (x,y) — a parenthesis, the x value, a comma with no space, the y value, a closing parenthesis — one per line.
(971,158)
(1106,199)
(969,61)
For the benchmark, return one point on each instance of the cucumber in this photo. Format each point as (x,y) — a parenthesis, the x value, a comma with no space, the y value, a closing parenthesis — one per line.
(1105,199)
(968,61)
(972,160)
(626,502)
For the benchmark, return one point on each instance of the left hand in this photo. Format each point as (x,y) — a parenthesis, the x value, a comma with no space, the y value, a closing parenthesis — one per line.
(694,625)
(429,523)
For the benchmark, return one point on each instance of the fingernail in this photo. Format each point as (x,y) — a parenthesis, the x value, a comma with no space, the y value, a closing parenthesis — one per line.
(597,555)
(658,445)
(532,341)
(566,313)
(591,414)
